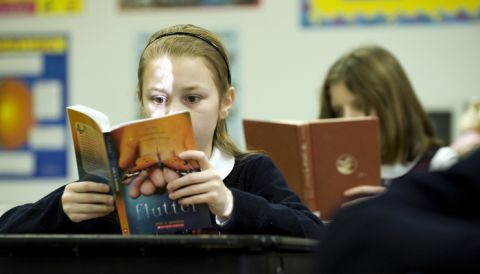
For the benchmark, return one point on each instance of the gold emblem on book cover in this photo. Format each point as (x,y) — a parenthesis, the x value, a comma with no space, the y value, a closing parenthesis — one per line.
(346,164)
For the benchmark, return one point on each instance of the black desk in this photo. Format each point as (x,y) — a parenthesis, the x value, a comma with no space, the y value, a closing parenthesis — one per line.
(190,254)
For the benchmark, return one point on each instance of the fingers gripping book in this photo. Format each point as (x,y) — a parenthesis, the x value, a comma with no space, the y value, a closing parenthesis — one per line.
(128,155)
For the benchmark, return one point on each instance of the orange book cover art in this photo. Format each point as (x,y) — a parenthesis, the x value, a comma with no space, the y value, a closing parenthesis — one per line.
(131,154)
(153,146)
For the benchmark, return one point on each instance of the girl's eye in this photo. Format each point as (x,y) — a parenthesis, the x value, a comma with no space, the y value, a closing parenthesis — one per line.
(159,99)
(192,99)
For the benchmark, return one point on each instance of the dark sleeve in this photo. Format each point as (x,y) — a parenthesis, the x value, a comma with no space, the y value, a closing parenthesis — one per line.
(47,216)
(263,204)
(429,223)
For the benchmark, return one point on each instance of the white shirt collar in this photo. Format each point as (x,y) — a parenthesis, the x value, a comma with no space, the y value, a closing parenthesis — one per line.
(222,162)
(397,170)
(443,159)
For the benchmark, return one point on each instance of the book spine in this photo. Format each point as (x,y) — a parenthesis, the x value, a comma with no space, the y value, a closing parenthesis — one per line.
(116,183)
(308,177)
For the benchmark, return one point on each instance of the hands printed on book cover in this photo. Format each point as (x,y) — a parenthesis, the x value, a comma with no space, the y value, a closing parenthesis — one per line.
(150,161)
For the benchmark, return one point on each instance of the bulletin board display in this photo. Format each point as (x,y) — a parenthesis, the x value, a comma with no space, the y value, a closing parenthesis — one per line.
(136,4)
(364,12)
(40,7)
(33,98)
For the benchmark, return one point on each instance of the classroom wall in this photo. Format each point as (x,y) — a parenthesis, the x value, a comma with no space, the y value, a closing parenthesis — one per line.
(281,64)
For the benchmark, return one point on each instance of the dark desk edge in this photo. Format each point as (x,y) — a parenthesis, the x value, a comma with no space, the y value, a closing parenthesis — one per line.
(251,242)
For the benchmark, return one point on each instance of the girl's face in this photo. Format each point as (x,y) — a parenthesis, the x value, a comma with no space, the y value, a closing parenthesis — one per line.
(345,104)
(185,83)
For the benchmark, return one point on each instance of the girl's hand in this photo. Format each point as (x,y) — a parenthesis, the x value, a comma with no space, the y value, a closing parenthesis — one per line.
(360,193)
(87,200)
(204,187)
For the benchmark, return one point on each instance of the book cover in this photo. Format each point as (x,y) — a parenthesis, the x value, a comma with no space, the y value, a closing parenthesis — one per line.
(320,159)
(119,155)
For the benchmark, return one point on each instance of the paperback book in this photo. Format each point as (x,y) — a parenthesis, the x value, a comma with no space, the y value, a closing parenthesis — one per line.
(128,154)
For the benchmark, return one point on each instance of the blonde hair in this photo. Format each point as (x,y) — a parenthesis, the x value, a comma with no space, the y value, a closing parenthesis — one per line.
(470,119)
(378,80)
(198,43)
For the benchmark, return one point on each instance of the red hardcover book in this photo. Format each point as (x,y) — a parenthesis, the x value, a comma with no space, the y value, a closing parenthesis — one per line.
(320,159)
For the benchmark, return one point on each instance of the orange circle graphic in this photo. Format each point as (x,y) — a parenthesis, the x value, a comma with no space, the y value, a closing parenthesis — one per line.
(16,113)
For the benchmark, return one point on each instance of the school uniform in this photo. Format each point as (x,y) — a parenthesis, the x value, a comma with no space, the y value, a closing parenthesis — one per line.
(426,223)
(436,158)
(262,204)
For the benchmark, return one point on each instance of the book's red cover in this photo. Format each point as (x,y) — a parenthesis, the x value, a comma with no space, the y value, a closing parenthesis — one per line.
(288,146)
(346,154)
(320,159)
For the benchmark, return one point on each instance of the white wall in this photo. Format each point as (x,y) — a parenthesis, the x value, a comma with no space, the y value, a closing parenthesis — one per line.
(282,64)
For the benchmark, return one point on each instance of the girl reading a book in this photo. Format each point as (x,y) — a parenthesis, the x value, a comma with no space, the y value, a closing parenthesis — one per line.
(184,67)
(369,81)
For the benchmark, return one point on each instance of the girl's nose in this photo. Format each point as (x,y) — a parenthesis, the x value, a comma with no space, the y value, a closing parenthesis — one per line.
(174,106)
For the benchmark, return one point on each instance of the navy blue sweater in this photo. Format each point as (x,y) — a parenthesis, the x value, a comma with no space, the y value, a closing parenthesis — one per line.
(263,204)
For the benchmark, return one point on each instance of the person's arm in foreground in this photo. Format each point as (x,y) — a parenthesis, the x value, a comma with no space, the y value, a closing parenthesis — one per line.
(427,223)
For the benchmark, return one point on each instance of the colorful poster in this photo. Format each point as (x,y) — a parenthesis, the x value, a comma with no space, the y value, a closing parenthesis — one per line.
(33,98)
(40,7)
(365,12)
(135,4)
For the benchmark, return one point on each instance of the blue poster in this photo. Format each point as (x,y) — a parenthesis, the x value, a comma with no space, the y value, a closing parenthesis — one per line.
(33,98)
